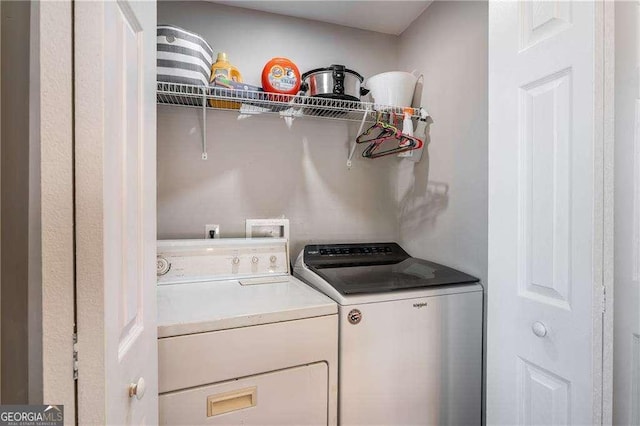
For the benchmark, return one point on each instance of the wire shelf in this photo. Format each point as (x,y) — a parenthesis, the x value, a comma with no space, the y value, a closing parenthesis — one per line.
(256,102)
(250,102)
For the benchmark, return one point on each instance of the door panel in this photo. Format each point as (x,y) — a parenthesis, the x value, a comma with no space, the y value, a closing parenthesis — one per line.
(116,226)
(125,190)
(541,20)
(545,126)
(544,397)
(544,360)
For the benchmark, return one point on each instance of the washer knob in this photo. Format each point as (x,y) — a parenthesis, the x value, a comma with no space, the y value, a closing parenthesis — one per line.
(236,260)
(273,259)
(354,316)
(255,259)
(162,266)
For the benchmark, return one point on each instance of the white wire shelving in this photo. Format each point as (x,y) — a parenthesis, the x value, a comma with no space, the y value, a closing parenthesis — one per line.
(248,102)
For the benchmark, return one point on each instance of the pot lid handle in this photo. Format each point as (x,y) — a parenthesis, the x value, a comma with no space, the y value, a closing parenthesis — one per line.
(333,68)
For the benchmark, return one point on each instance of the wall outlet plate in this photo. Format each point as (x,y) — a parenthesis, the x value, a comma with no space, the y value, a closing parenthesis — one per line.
(208,231)
(261,228)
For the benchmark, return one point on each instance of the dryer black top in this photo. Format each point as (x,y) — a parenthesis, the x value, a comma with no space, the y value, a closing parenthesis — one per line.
(377,267)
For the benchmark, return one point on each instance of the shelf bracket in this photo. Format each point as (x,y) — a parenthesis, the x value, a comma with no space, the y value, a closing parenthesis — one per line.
(353,146)
(204,125)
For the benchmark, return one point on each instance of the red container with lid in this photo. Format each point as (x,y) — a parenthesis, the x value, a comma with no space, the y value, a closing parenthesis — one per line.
(281,75)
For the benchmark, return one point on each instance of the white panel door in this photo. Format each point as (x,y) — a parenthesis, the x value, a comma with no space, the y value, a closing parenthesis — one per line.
(544,357)
(115,107)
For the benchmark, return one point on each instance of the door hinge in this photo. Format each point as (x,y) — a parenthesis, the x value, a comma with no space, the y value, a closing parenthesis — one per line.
(604,299)
(75,356)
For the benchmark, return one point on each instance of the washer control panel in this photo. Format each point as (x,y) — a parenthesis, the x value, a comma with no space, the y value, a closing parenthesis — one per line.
(333,255)
(219,259)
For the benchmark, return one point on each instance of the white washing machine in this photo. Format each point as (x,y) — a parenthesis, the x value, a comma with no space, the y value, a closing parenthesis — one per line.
(410,335)
(241,341)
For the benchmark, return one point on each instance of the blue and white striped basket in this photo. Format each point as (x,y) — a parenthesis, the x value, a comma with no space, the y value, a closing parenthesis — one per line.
(184,57)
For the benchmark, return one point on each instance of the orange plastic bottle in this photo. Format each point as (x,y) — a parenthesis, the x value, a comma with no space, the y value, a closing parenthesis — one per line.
(222,68)
(281,75)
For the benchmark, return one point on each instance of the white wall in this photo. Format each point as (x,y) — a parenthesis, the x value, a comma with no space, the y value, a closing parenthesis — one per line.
(259,169)
(626,351)
(436,209)
(443,201)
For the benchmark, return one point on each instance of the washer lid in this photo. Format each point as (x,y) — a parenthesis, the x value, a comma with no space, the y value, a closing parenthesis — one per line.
(200,307)
(410,273)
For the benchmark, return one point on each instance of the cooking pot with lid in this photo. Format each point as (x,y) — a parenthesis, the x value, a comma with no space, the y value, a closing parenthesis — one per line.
(334,82)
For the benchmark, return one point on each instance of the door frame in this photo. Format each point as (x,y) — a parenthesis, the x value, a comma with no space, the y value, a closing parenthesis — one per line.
(89,160)
(55,123)
(605,46)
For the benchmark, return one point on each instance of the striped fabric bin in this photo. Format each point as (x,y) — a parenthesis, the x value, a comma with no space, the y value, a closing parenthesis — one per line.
(183,57)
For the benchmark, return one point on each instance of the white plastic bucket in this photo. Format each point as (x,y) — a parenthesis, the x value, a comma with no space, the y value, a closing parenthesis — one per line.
(393,88)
